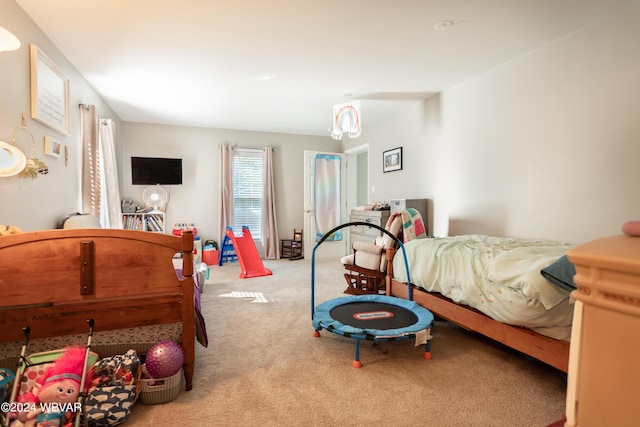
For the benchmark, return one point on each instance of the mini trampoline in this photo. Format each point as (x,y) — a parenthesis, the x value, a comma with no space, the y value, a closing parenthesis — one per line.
(371,317)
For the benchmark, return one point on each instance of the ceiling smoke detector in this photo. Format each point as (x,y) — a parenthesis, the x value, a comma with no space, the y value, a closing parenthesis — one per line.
(443,26)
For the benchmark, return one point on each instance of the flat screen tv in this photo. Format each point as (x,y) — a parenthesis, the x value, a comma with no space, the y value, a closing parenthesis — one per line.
(156,170)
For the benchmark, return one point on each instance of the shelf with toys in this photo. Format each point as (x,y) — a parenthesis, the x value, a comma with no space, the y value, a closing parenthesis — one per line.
(143,221)
(136,218)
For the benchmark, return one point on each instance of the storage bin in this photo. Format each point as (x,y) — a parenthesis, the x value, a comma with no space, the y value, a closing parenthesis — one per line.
(160,390)
(210,256)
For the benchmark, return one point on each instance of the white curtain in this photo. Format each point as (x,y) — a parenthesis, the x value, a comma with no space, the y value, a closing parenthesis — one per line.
(91,180)
(225,216)
(111,213)
(326,197)
(269,224)
(100,190)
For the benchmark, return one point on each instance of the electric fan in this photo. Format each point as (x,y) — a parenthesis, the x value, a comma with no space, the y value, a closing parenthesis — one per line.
(154,196)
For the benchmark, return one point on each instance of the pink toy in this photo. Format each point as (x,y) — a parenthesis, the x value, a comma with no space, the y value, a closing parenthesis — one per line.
(59,385)
(631,228)
(164,359)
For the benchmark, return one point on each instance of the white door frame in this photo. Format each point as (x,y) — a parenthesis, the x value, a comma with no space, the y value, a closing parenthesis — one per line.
(352,175)
(352,183)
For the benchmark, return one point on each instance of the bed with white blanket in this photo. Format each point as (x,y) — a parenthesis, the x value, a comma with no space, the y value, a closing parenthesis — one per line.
(494,286)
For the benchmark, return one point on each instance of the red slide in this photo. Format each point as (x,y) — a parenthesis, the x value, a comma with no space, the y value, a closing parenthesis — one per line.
(247,253)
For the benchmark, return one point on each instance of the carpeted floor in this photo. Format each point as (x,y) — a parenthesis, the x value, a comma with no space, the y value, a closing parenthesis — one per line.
(263,367)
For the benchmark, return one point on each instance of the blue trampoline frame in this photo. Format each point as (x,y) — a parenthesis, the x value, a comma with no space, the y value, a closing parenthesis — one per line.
(321,315)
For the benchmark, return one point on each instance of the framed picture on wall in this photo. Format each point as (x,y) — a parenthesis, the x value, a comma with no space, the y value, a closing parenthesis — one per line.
(392,160)
(49,92)
(52,147)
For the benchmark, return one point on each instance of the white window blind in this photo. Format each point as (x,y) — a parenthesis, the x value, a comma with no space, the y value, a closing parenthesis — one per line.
(247,190)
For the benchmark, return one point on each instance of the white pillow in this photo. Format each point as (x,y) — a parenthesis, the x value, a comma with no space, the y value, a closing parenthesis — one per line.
(82,221)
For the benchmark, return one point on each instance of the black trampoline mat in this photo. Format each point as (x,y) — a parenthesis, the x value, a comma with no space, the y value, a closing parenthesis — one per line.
(374,315)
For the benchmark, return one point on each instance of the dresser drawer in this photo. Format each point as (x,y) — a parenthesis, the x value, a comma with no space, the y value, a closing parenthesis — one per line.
(362,233)
(372,217)
(362,230)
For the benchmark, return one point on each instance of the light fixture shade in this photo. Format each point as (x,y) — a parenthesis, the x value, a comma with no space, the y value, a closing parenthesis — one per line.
(8,41)
(346,119)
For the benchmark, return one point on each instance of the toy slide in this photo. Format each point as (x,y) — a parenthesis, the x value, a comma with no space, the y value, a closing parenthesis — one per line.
(247,253)
(227,251)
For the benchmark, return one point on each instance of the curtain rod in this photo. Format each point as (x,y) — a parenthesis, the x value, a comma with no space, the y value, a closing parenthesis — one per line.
(247,148)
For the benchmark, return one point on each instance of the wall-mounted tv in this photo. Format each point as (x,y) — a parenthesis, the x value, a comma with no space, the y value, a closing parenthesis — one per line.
(156,170)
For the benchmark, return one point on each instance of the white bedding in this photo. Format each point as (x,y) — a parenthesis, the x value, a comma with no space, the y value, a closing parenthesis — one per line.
(497,276)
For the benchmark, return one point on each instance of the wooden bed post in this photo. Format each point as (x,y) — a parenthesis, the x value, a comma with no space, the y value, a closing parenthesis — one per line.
(188,316)
(390,253)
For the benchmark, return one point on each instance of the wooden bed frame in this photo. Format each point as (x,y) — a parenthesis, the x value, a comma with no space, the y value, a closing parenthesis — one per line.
(548,350)
(54,281)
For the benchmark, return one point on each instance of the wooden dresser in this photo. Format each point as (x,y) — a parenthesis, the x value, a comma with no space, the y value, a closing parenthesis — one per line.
(603,387)
(367,234)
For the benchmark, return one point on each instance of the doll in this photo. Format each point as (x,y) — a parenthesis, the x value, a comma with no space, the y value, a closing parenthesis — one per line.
(53,399)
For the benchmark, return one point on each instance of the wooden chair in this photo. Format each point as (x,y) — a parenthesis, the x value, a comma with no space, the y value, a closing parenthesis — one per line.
(292,248)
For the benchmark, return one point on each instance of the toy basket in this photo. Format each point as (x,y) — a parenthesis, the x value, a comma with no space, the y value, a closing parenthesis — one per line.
(160,390)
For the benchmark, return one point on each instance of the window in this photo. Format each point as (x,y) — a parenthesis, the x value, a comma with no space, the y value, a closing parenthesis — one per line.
(247,190)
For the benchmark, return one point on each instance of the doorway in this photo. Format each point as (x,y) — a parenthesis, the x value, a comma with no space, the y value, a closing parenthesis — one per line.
(357,181)
(312,213)
(357,176)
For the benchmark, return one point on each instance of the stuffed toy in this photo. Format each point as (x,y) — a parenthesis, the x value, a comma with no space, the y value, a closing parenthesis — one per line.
(53,399)
(6,230)
(631,228)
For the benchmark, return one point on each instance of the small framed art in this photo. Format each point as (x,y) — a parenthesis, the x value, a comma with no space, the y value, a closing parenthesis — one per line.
(52,147)
(392,160)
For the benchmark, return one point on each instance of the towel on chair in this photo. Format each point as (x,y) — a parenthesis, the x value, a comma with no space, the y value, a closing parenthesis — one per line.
(412,224)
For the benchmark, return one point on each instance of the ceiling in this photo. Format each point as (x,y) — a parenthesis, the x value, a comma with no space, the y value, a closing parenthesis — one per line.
(281,65)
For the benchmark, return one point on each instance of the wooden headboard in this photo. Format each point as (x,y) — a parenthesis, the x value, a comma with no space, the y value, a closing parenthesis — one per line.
(54,280)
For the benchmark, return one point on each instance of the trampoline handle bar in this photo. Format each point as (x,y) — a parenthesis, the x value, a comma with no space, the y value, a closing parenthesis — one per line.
(353,224)
(366,224)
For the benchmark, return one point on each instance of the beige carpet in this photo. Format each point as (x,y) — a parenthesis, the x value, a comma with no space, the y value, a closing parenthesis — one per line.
(263,367)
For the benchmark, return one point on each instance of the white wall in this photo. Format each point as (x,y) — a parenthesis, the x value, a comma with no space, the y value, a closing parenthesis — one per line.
(415,127)
(545,146)
(39,204)
(196,201)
